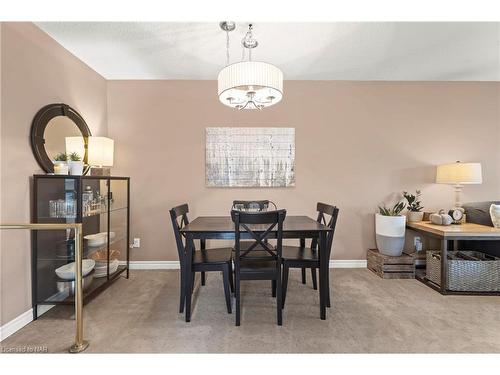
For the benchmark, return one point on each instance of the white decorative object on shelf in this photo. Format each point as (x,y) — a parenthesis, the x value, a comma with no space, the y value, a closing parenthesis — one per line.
(67,272)
(390,234)
(415,216)
(250,157)
(102,269)
(495,215)
(61,167)
(98,239)
(75,167)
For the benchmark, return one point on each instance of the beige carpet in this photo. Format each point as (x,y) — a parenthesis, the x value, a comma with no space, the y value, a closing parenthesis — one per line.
(369,315)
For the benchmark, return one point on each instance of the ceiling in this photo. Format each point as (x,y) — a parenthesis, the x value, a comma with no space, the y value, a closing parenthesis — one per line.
(388,51)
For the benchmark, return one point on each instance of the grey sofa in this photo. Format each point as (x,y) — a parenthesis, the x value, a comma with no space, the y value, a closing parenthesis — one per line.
(479,213)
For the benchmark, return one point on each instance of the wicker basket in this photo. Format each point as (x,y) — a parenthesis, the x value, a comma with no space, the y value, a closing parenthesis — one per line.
(468,271)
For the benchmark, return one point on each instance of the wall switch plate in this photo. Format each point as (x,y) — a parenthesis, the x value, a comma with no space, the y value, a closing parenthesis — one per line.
(137,242)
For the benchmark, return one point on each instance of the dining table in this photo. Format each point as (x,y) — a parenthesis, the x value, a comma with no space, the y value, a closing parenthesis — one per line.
(222,228)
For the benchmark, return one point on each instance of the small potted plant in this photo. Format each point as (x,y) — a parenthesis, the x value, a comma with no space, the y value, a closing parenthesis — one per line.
(75,164)
(61,163)
(414,206)
(390,229)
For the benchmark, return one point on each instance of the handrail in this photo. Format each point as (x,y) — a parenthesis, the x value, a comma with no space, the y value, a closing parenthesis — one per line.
(80,344)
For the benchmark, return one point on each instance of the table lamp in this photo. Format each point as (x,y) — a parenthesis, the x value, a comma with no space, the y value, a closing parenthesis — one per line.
(459,174)
(100,155)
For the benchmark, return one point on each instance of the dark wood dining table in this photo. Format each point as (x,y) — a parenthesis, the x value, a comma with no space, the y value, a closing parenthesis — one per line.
(222,228)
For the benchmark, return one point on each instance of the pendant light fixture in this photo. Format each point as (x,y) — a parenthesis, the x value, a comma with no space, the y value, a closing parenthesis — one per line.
(248,84)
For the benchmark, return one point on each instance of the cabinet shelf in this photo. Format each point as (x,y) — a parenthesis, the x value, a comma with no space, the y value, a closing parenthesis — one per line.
(51,249)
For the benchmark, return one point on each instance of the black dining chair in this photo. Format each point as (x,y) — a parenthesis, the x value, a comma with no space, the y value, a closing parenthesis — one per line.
(307,257)
(265,266)
(255,206)
(204,260)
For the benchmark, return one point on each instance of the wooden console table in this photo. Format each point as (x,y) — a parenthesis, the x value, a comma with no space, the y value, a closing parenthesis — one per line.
(449,237)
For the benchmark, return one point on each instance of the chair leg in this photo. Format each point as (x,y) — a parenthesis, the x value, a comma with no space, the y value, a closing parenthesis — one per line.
(303,275)
(192,281)
(182,292)
(227,292)
(328,289)
(203,278)
(273,287)
(231,277)
(314,279)
(237,296)
(279,298)
(285,283)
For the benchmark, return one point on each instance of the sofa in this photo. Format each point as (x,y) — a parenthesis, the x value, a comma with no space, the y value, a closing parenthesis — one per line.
(479,213)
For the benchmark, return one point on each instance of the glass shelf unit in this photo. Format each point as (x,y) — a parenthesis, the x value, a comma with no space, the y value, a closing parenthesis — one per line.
(102,205)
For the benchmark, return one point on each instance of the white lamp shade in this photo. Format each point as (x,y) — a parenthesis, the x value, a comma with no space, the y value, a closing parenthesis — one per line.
(75,144)
(100,151)
(259,81)
(459,173)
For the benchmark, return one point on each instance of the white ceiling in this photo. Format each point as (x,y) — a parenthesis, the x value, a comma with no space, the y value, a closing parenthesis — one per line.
(318,51)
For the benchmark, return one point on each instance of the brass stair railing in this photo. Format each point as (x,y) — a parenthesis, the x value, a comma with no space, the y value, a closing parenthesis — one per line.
(80,344)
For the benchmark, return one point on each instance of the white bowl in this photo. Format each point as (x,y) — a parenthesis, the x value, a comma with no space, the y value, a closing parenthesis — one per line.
(67,272)
(102,269)
(98,239)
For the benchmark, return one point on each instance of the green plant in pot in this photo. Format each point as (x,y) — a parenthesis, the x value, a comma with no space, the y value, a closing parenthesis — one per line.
(75,164)
(414,206)
(390,229)
(61,164)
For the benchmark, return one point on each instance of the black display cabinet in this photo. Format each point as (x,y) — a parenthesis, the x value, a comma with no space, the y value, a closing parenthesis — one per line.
(102,205)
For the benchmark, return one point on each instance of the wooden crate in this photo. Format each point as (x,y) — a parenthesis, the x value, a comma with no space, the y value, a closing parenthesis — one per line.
(388,267)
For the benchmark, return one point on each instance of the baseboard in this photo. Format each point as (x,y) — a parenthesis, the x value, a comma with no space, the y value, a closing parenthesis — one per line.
(19,322)
(174,264)
(348,263)
(153,264)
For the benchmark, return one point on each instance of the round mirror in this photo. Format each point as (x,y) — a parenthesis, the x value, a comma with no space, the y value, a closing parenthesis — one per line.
(56,129)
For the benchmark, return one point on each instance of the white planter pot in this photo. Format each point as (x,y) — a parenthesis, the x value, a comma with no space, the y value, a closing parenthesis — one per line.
(61,167)
(75,168)
(390,234)
(415,216)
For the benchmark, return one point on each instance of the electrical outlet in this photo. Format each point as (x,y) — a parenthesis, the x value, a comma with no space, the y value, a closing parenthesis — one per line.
(137,242)
(417,243)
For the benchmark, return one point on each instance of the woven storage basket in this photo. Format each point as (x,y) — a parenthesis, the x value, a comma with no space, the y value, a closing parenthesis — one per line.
(468,271)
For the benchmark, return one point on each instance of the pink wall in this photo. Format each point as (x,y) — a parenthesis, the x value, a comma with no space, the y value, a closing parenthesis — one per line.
(357,143)
(36,71)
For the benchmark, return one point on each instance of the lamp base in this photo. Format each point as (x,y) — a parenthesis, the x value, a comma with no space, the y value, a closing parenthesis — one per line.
(100,171)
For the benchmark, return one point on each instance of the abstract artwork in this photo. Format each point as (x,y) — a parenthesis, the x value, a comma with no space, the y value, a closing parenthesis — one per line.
(250,157)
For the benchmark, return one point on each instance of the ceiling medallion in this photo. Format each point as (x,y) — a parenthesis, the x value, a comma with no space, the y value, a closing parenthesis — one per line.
(248,84)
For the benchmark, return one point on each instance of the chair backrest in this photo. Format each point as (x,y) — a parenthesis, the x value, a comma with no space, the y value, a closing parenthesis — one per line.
(179,220)
(260,226)
(253,206)
(325,210)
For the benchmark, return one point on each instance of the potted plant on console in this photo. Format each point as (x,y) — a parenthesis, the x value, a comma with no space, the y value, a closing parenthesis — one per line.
(75,164)
(61,164)
(414,206)
(390,229)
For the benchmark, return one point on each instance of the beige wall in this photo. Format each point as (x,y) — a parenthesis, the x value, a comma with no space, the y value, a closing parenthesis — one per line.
(357,143)
(35,71)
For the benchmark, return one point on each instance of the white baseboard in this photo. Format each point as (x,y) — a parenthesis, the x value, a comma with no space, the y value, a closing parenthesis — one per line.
(348,263)
(174,264)
(19,322)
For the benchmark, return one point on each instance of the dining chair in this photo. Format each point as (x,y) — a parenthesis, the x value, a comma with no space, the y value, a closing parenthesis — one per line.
(307,257)
(266,266)
(255,206)
(204,260)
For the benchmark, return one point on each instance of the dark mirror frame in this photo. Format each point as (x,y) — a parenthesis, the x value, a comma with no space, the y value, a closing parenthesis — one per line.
(40,122)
